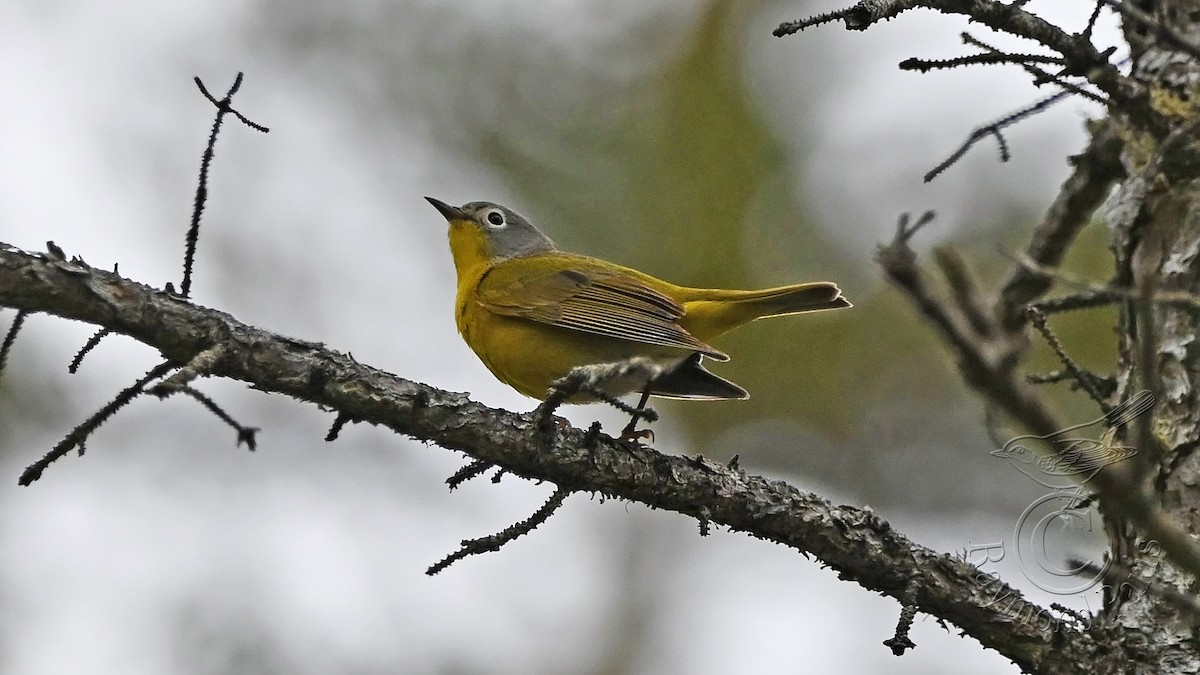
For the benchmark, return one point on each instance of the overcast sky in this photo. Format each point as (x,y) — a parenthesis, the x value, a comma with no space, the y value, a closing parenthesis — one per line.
(166,549)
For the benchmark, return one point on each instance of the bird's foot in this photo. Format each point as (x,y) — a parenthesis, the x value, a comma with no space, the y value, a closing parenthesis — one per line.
(591,380)
(635,436)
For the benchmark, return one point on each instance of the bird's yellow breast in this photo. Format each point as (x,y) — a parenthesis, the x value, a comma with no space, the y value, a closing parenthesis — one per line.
(529,356)
(524,354)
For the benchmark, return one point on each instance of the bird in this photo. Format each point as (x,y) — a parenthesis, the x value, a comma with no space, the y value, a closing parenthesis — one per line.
(538,317)
(1070,459)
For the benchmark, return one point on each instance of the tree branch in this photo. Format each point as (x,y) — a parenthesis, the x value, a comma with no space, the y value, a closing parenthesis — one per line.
(987,361)
(1096,171)
(858,544)
(1079,55)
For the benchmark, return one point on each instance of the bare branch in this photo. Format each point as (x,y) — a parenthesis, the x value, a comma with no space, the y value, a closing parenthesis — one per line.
(78,435)
(336,428)
(86,349)
(470,470)
(989,365)
(10,337)
(1168,34)
(1082,377)
(1080,56)
(995,129)
(990,58)
(858,544)
(1040,76)
(245,434)
(1096,171)
(201,364)
(495,541)
(900,642)
(224,107)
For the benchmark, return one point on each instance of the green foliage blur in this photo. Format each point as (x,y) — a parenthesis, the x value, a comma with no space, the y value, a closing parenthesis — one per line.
(647,146)
(679,175)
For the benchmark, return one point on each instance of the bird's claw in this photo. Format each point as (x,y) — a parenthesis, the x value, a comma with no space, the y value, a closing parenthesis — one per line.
(631,435)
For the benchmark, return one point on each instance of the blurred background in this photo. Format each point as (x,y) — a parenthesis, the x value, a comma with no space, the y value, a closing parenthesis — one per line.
(680,138)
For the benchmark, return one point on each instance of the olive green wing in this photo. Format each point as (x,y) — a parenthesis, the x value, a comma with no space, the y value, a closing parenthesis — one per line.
(585,295)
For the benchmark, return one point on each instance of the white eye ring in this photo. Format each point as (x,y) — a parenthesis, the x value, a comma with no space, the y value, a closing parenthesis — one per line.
(495,219)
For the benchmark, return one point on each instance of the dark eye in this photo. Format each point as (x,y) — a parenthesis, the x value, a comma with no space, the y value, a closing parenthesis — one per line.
(496,218)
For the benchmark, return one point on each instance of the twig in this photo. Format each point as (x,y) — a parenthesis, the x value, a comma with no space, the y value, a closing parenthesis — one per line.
(472,469)
(247,435)
(1097,294)
(1081,376)
(1040,76)
(994,129)
(900,642)
(988,366)
(200,364)
(1107,386)
(495,541)
(80,433)
(86,349)
(965,290)
(791,27)
(1164,31)
(1070,303)
(1091,24)
(223,105)
(193,232)
(992,58)
(1096,170)
(10,337)
(1051,378)
(336,428)
(1080,55)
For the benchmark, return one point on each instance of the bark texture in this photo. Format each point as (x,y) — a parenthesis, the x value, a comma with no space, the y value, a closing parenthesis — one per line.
(862,547)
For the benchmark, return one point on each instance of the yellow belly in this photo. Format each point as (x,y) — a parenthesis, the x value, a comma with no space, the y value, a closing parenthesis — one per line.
(529,356)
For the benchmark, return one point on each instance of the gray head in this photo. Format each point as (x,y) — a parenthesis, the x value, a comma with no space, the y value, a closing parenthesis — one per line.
(508,235)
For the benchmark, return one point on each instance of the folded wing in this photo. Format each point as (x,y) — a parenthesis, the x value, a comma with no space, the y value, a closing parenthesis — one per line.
(579,294)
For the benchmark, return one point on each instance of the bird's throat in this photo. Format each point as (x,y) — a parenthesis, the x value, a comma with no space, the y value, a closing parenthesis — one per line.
(470,251)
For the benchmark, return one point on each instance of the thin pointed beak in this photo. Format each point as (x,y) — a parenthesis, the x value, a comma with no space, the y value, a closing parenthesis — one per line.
(450,212)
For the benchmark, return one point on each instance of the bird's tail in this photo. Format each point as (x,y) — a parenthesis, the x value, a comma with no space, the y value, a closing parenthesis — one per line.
(691,380)
(711,312)
(794,299)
